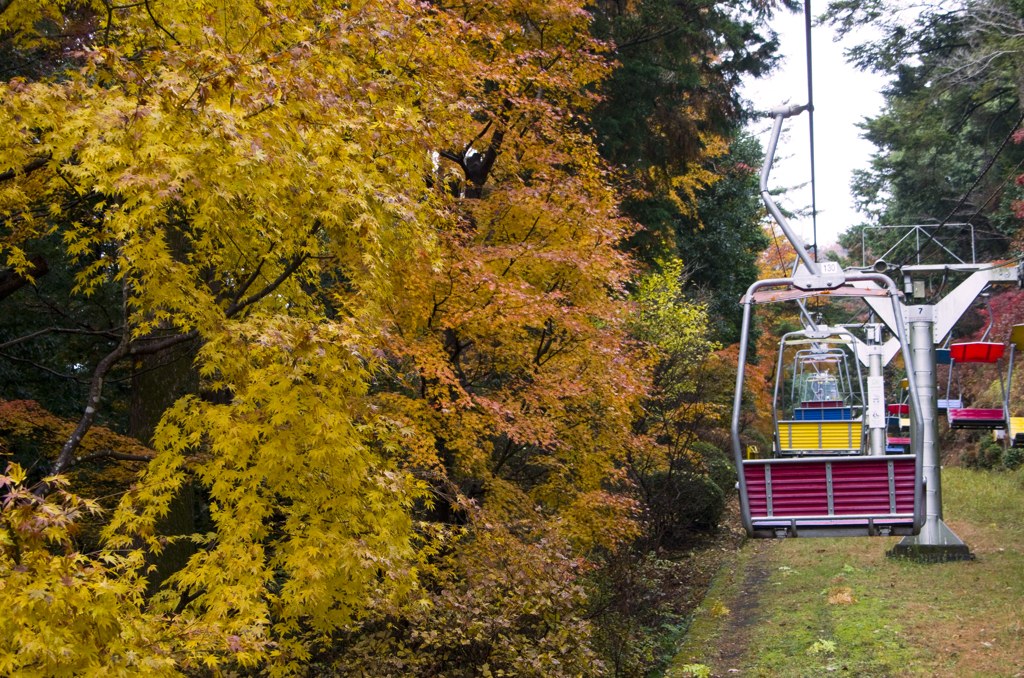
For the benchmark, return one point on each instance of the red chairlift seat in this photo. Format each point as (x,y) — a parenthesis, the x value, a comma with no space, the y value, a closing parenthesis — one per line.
(899,410)
(987,418)
(822,403)
(985,352)
(897,445)
(820,496)
(977,352)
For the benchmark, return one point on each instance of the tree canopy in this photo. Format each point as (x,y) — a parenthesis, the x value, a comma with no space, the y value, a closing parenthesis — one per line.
(332,328)
(953,102)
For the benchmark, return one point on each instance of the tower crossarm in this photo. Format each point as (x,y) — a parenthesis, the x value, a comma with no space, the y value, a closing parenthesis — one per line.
(951,308)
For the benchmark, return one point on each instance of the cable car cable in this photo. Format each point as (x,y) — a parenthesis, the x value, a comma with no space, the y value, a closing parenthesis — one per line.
(810,123)
(966,195)
(782,259)
(810,118)
(994,194)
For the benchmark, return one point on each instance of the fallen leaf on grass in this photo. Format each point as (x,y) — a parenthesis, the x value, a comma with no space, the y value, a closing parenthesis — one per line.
(718,609)
(822,646)
(841,595)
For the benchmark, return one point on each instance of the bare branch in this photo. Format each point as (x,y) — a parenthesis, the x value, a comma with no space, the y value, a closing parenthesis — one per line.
(454,158)
(161,365)
(244,287)
(163,344)
(477,138)
(60,330)
(277,282)
(110,454)
(36,365)
(156,23)
(32,165)
(93,403)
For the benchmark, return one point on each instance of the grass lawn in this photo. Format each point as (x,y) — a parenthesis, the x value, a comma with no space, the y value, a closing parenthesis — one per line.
(819,607)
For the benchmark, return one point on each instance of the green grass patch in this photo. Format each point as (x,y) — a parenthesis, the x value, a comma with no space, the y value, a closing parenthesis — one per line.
(886,617)
(983,497)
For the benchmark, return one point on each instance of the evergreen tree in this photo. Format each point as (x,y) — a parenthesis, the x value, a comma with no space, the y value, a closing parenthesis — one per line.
(954,97)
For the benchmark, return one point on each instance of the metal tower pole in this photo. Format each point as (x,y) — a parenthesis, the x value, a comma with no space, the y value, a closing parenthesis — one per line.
(936,541)
(922,351)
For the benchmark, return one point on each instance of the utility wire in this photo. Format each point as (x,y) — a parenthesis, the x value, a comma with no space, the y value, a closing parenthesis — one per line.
(810,117)
(966,195)
(994,194)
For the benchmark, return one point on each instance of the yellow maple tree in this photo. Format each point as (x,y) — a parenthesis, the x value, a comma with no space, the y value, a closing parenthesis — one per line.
(386,232)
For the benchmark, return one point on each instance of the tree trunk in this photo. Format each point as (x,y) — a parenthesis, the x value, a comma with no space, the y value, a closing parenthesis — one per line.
(11,282)
(158,381)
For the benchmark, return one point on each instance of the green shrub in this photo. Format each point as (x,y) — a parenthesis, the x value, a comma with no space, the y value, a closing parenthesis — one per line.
(638,605)
(681,505)
(717,464)
(989,454)
(1013,457)
(501,602)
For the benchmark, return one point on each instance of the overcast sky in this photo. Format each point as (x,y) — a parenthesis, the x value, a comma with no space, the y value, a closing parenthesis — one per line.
(843,96)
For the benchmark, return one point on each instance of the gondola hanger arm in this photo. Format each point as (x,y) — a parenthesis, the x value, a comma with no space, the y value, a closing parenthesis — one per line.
(780,113)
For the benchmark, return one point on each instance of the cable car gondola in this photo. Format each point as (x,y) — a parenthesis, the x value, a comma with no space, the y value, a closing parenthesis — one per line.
(978,352)
(826,495)
(825,419)
(983,352)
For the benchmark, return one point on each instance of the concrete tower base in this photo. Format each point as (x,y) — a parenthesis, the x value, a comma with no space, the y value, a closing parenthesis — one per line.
(941,547)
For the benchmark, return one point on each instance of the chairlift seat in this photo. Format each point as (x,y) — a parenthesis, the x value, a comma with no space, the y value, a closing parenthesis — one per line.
(1017,337)
(832,497)
(964,418)
(1016,432)
(977,352)
(883,495)
(942,356)
(949,403)
(820,437)
(898,409)
(898,444)
(823,413)
(822,403)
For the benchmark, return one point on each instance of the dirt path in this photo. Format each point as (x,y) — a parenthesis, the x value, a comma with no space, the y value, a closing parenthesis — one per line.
(721,640)
(745,610)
